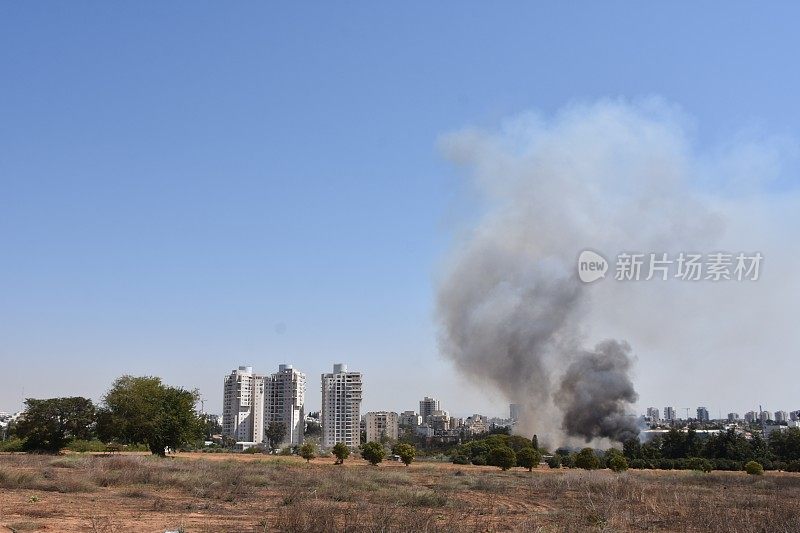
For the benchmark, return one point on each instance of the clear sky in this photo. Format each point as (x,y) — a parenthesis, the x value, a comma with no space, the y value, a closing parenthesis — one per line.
(188,186)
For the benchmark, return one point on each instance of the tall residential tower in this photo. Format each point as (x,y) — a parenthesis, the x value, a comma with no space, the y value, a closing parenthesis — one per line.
(341,407)
(284,400)
(243,406)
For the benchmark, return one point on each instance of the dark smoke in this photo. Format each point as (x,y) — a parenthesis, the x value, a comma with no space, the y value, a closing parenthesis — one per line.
(595,392)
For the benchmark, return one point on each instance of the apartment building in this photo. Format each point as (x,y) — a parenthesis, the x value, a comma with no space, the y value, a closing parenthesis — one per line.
(341,407)
(382,425)
(427,407)
(243,405)
(284,403)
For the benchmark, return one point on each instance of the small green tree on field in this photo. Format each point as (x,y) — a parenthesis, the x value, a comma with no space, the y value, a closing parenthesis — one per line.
(275,434)
(49,425)
(754,468)
(405,451)
(528,458)
(587,460)
(618,463)
(554,461)
(341,452)
(502,456)
(307,451)
(373,452)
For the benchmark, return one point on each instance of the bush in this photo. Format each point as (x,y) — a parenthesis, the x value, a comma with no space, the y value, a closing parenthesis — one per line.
(698,464)
(503,457)
(587,460)
(405,451)
(373,452)
(83,446)
(459,459)
(479,460)
(341,451)
(12,445)
(553,461)
(793,466)
(528,458)
(618,463)
(754,468)
(308,451)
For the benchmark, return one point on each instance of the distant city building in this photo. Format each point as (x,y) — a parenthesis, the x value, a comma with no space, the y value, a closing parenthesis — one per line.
(764,416)
(794,415)
(341,407)
(284,397)
(733,417)
(781,416)
(669,414)
(381,425)
(652,414)
(514,411)
(243,406)
(440,421)
(427,406)
(702,414)
(476,424)
(409,419)
(750,417)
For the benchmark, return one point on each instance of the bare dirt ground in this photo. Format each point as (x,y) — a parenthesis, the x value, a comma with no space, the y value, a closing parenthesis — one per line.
(256,493)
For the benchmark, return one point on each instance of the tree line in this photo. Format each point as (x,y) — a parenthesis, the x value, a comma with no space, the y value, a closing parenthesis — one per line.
(135,411)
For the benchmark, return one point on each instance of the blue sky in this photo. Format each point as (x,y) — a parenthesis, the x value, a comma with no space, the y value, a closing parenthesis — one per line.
(189,186)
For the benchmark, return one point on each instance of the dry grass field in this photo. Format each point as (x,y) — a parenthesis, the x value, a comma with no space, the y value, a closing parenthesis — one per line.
(248,493)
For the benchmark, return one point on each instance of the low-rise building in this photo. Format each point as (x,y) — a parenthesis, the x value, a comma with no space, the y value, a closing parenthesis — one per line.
(381,425)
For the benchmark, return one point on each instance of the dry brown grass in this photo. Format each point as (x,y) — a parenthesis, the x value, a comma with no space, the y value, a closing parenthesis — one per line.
(142,493)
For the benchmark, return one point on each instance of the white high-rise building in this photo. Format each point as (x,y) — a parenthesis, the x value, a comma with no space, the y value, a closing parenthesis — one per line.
(341,407)
(669,413)
(243,406)
(781,416)
(381,424)
(427,407)
(284,400)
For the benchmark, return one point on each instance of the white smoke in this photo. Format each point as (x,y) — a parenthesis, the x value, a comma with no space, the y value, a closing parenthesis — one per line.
(610,176)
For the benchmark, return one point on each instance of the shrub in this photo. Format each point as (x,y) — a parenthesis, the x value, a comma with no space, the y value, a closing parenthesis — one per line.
(553,461)
(699,464)
(406,452)
(373,452)
(341,451)
(459,459)
(754,468)
(503,457)
(82,446)
(12,445)
(479,460)
(793,466)
(307,451)
(618,463)
(528,458)
(587,460)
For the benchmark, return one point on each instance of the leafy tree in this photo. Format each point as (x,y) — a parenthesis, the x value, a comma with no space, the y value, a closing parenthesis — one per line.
(211,426)
(373,452)
(699,464)
(142,410)
(275,434)
(313,429)
(587,460)
(405,451)
(535,442)
(632,448)
(618,463)
(308,451)
(754,468)
(49,425)
(554,461)
(785,445)
(502,456)
(528,458)
(341,451)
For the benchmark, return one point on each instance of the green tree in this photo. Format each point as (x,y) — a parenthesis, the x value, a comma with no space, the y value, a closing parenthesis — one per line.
(373,452)
(502,456)
(528,458)
(142,410)
(275,434)
(617,463)
(341,452)
(587,459)
(405,451)
(49,425)
(535,442)
(308,451)
(754,468)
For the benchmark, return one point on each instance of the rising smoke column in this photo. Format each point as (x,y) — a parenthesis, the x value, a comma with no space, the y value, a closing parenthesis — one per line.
(512,312)
(595,391)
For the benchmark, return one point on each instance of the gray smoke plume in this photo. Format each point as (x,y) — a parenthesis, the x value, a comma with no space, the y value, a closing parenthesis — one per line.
(594,392)
(512,312)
